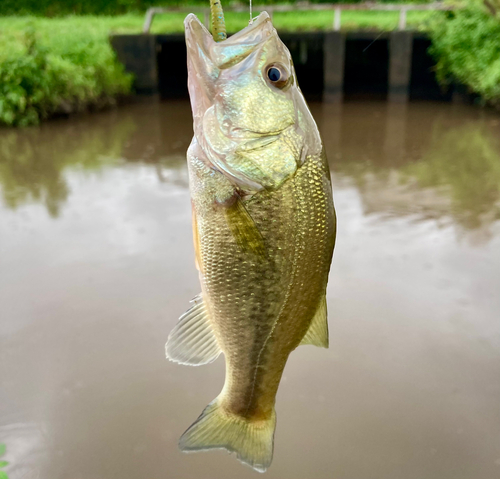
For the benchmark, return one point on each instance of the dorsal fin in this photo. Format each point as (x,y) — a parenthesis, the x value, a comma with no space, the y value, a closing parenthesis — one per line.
(192,342)
(317,334)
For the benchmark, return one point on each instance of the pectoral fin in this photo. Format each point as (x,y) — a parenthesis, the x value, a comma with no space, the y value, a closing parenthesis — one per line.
(317,334)
(243,228)
(192,342)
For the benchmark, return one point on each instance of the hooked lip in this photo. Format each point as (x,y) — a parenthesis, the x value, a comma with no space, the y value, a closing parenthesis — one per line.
(195,29)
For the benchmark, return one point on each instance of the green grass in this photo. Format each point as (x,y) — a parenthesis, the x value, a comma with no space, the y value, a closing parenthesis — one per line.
(317,20)
(3,474)
(58,8)
(65,64)
(173,22)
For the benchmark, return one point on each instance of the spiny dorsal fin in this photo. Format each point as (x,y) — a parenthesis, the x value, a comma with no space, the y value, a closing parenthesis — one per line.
(317,334)
(192,342)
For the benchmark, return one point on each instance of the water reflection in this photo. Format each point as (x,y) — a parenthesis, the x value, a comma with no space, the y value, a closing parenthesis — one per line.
(437,161)
(425,160)
(463,164)
(34,162)
(410,387)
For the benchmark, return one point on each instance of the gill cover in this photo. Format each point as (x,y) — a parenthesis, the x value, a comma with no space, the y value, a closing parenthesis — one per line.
(250,118)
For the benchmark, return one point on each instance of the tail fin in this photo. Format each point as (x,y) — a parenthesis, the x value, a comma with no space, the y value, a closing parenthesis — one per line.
(252,441)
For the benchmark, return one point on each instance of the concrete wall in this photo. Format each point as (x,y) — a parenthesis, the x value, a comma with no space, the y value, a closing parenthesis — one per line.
(138,54)
(329,65)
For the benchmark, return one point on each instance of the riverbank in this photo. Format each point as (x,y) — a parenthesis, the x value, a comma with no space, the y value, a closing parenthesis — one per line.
(50,66)
(66,64)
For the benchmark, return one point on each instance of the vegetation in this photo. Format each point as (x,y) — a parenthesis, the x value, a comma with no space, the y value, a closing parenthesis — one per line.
(117,7)
(173,22)
(466,45)
(65,64)
(47,69)
(317,20)
(3,474)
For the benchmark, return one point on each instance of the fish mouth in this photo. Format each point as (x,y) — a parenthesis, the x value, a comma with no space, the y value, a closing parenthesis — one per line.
(200,33)
(250,135)
(247,137)
(257,143)
(254,30)
(225,53)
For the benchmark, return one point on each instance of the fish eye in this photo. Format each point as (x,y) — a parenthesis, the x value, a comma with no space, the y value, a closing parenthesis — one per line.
(274,74)
(277,75)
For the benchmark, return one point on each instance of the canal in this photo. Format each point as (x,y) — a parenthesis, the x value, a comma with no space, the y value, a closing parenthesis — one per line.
(97,264)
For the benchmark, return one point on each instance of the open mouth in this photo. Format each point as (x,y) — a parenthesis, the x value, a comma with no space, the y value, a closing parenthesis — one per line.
(225,53)
(257,143)
(251,33)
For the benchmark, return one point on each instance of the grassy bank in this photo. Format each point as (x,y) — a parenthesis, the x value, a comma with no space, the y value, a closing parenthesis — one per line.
(66,64)
(173,22)
(54,8)
(56,66)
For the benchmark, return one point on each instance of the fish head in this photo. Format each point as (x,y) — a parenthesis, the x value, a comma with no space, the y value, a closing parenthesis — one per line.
(250,118)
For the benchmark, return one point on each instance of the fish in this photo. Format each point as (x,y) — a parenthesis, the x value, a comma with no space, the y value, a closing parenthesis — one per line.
(264,230)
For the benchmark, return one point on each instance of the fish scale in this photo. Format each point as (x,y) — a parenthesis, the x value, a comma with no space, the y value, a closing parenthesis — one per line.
(251,289)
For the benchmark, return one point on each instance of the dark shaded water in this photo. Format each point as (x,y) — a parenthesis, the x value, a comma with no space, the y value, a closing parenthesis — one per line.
(96,264)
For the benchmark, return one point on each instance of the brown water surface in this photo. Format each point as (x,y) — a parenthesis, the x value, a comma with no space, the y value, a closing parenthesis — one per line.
(96,265)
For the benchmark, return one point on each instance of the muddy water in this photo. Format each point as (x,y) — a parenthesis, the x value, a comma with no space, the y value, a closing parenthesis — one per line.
(96,264)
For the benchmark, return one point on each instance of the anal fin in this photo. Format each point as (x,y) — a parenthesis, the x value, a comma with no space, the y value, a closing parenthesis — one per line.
(192,341)
(317,334)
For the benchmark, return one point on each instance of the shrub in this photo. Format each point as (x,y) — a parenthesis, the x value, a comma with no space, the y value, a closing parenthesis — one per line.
(48,71)
(466,46)
(24,85)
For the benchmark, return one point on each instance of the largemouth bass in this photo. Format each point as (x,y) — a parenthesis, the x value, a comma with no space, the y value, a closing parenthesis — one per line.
(264,232)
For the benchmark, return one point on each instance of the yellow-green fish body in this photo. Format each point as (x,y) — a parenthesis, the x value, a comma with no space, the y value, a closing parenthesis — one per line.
(264,230)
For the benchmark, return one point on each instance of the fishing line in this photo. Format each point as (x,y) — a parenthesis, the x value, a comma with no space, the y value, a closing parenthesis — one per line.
(381,33)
